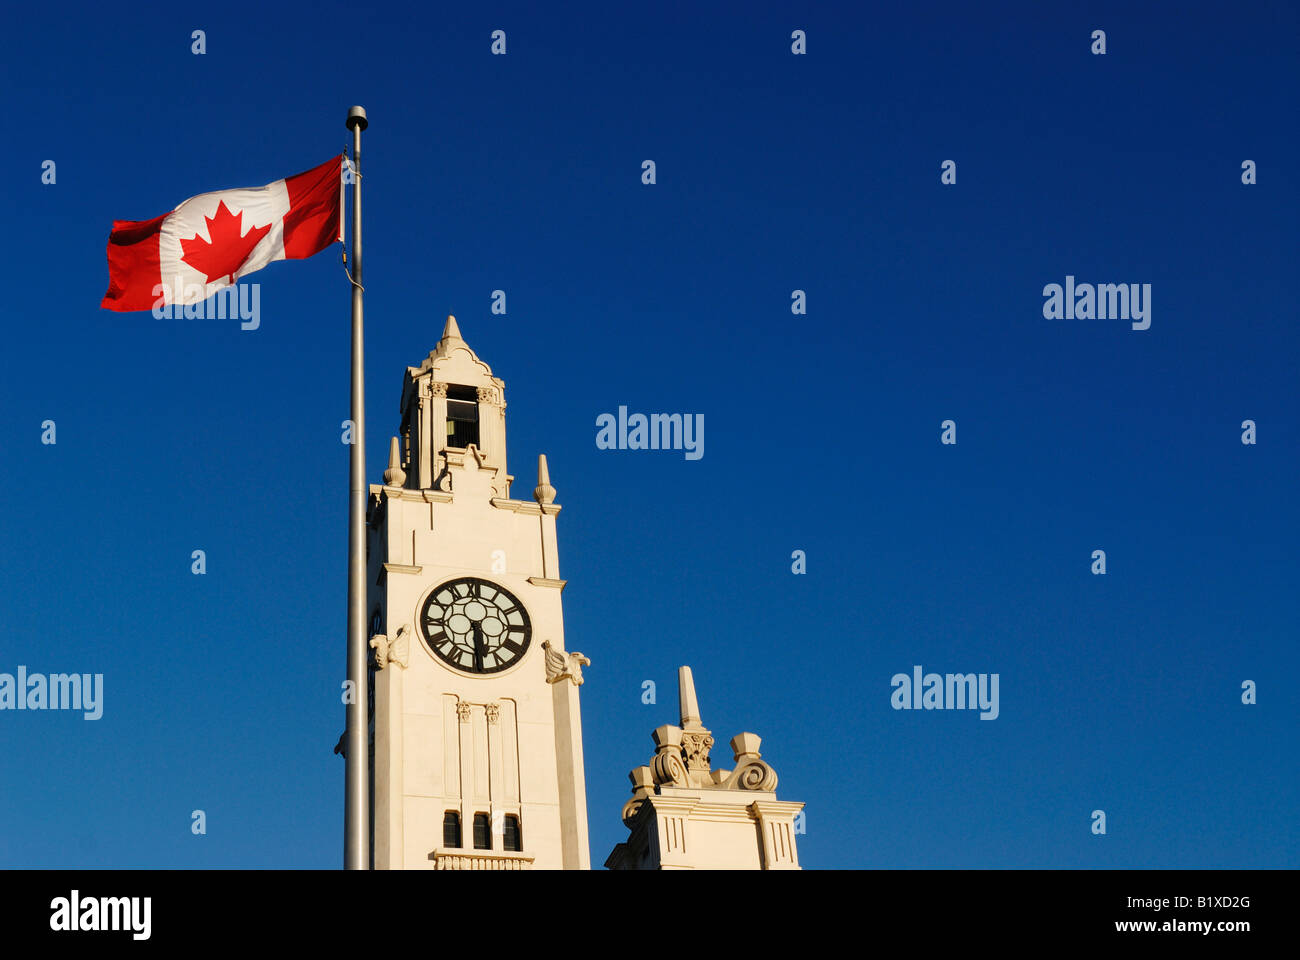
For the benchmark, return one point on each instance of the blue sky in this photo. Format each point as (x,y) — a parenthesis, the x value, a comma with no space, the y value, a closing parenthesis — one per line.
(775,172)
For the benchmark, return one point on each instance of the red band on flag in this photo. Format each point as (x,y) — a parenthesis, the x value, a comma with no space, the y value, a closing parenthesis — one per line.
(312,222)
(134,268)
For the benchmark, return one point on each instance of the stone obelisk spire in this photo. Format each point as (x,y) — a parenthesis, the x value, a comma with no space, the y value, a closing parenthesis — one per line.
(696,738)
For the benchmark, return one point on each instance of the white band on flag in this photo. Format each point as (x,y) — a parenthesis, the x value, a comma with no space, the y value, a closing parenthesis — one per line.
(345,171)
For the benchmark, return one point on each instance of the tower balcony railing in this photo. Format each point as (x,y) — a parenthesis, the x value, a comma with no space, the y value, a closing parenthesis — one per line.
(458,858)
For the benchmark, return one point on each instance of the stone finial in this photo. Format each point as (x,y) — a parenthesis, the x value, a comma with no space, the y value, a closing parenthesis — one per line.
(545,493)
(666,737)
(395,476)
(697,739)
(745,746)
(450,340)
(690,707)
(451,331)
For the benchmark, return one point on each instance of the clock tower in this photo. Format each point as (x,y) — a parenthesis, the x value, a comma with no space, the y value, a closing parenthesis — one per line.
(477,736)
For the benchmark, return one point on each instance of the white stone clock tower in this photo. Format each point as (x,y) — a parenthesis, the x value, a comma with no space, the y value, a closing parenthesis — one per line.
(477,737)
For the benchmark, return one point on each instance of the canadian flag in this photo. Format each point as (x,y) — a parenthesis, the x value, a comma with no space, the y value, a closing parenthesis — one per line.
(210,241)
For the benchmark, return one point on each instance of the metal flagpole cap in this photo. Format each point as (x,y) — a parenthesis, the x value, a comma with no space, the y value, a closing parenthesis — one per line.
(357,118)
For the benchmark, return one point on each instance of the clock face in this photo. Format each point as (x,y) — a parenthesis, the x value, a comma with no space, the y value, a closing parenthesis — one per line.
(475,625)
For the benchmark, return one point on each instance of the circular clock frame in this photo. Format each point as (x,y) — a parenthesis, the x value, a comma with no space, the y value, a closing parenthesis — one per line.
(474,626)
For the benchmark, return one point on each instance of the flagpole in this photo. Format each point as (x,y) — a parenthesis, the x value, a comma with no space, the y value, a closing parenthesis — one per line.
(356,800)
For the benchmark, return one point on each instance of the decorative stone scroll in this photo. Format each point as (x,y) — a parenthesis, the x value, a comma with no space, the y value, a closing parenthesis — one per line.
(667,765)
(751,773)
(682,757)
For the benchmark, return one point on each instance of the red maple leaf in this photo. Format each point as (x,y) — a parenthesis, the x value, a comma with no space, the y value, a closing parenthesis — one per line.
(227,251)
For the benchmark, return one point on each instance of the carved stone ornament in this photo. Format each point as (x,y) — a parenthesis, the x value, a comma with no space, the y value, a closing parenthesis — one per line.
(751,773)
(667,766)
(486,395)
(561,665)
(682,757)
(643,785)
(397,650)
(493,712)
(437,389)
(379,643)
(631,809)
(695,749)
(463,711)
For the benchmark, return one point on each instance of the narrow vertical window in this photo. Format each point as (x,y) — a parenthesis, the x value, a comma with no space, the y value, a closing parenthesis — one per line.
(482,832)
(451,829)
(462,416)
(513,838)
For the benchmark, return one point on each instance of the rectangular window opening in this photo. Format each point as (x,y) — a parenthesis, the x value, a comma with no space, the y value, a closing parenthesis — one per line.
(451,830)
(512,837)
(482,832)
(462,416)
